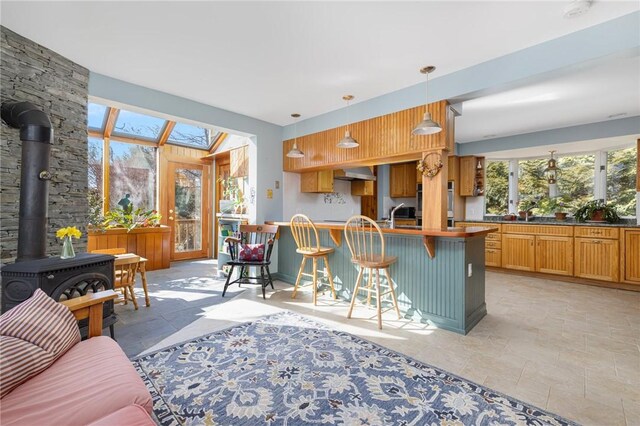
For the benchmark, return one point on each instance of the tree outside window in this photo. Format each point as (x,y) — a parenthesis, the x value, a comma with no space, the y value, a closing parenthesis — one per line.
(132,171)
(621,180)
(497,187)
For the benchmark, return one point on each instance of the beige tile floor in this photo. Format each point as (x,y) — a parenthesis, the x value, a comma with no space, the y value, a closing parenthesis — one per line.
(568,348)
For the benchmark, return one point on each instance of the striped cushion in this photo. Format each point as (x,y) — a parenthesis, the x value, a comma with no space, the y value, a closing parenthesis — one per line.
(32,336)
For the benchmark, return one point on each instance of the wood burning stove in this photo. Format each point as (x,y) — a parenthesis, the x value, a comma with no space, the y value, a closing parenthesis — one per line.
(59,278)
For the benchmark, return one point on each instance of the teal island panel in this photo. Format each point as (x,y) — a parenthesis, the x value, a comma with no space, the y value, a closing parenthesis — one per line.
(438,291)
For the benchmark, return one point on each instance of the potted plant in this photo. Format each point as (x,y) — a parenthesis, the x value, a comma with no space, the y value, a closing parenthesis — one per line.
(526,206)
(129,218)
(558,205)
(597,211)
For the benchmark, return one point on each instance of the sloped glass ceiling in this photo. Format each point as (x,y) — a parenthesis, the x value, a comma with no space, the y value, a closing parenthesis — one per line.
(96,116)
(136,125)
(186,134)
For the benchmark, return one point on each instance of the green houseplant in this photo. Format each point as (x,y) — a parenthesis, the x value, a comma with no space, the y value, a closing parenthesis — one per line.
(526,205)
(129,218)
(557,206)
(597,211)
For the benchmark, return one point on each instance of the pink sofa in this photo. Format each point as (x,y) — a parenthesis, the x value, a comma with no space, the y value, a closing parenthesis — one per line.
(93,383)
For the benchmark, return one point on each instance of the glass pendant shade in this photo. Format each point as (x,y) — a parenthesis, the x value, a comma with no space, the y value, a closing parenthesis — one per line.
(427,126)
(294,152)
(348,141)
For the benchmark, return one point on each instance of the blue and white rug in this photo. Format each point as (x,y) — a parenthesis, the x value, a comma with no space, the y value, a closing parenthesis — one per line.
(286,369)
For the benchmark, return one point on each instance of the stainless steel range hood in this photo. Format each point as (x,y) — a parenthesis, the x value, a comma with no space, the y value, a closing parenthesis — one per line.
(360,173)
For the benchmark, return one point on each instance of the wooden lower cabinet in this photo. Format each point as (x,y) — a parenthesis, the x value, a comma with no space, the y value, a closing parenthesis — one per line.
(630,256)
(518,252)
(554,255)
(493,257)
(597,259)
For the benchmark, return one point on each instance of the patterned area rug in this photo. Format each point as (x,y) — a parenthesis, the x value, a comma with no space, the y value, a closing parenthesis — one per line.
(286,369)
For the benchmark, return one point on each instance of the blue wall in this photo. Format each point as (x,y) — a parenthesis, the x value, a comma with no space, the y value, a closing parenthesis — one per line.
(267,136)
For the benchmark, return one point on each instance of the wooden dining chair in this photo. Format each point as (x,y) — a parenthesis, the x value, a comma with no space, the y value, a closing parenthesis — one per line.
(141,268)
(112,251)
(366,244)
(306,237)
(125,278)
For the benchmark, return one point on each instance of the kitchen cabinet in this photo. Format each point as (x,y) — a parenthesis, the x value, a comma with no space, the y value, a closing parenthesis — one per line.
(518,252)
(596,258)
(630,255)
(362,187)
(239,162)
(402,180)
(318,182)
(554,255)
(405,222)
(453,169)
(493,257)
(471,181)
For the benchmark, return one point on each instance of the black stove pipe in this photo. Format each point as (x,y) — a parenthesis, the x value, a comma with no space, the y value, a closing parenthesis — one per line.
(36,135)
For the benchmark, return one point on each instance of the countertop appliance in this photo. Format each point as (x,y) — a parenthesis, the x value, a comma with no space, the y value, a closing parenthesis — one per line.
(404,213)
(450,202)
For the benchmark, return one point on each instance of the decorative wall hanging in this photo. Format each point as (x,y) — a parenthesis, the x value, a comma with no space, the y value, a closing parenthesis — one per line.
(430,164)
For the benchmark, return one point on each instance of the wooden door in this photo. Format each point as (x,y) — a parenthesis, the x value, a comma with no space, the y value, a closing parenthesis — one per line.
(189,210)
(596,259)
(223,171)
(467,176)
(239,161)
(518,252)
(554,255)
(630,255)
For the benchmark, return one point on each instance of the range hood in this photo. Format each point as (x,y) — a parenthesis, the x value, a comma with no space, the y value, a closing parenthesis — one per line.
(360,173)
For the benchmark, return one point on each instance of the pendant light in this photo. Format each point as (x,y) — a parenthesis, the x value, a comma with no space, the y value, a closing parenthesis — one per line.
(427,126)
(552,170)
(348,141)
(295,152)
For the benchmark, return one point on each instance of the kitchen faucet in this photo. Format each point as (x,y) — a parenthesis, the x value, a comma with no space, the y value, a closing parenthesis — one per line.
(392,219)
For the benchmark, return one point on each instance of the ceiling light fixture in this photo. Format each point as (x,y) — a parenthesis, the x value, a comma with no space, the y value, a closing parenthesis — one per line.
(618,115)
(294,152)
(576,8)
(348,141)
(427,126)
(552,170)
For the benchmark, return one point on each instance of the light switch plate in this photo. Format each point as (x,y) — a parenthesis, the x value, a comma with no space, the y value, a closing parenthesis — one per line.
(469,270)
(277,184)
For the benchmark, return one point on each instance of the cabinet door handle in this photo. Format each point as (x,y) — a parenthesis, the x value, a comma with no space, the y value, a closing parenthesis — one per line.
(596,241)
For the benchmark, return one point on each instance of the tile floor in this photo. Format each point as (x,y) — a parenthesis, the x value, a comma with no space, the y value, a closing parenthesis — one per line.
(569,348)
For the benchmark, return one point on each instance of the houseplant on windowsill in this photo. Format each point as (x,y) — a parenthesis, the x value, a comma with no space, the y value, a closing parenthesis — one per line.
(129,218)
(556,205)
(526,206)
(597,211)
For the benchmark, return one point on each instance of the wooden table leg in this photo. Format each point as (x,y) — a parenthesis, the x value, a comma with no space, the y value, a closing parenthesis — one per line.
(143,275)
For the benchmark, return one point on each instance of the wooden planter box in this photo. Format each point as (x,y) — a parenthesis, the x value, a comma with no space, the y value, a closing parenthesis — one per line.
(150,243)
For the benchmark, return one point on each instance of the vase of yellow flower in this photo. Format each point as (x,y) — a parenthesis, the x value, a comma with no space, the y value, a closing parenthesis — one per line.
(67,246)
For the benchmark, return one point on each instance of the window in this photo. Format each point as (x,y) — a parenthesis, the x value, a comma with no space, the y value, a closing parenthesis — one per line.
(532,183)
(576,179)
(497,191)
(621,180)
(94,178)
(136,125)
(96,116)
(186,134)
(132,175)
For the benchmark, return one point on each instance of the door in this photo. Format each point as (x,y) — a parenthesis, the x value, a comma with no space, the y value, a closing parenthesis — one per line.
(597,259)
(518,252)
(554,255)
(189,211)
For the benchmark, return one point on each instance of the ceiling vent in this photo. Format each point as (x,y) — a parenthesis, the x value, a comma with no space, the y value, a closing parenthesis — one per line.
(577,8)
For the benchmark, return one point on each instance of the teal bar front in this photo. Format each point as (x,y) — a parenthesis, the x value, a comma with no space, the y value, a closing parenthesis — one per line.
(435,290)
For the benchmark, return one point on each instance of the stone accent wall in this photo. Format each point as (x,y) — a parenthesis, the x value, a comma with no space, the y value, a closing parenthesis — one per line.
(31,72)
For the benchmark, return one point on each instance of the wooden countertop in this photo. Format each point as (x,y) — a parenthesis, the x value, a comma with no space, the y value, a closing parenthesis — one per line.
(472,231)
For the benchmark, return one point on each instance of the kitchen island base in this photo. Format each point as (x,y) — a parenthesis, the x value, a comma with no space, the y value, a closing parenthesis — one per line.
(447,290)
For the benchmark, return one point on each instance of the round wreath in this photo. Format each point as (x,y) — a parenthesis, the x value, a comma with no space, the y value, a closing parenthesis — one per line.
(430,165)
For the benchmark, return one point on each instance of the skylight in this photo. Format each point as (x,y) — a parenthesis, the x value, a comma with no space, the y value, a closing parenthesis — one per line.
(137,125)
(186,134)
(96,116)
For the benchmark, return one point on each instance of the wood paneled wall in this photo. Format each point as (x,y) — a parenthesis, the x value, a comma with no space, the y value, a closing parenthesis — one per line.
(384,139)
(150,243)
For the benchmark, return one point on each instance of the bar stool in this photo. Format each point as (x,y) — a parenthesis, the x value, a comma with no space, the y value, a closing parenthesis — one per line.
(305,235)
(364,237)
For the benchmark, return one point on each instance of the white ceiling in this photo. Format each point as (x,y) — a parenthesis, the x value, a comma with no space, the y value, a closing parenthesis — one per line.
(583,96)
(268,59)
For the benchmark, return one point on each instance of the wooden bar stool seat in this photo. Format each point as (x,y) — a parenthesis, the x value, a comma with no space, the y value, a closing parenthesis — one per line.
(306,237)
(366,244)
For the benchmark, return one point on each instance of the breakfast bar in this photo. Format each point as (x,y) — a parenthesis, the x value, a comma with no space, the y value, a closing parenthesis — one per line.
(439,274)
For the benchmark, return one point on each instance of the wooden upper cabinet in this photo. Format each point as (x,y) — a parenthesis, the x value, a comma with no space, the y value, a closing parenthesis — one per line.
(518,252)
(630,255)
(597,259)
(453,169)
(471,181)
(402,180)
(317,181)
(239,162)
(362,187)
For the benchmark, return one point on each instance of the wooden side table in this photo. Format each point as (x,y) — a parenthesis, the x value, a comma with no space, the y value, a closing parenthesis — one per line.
(143,273)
